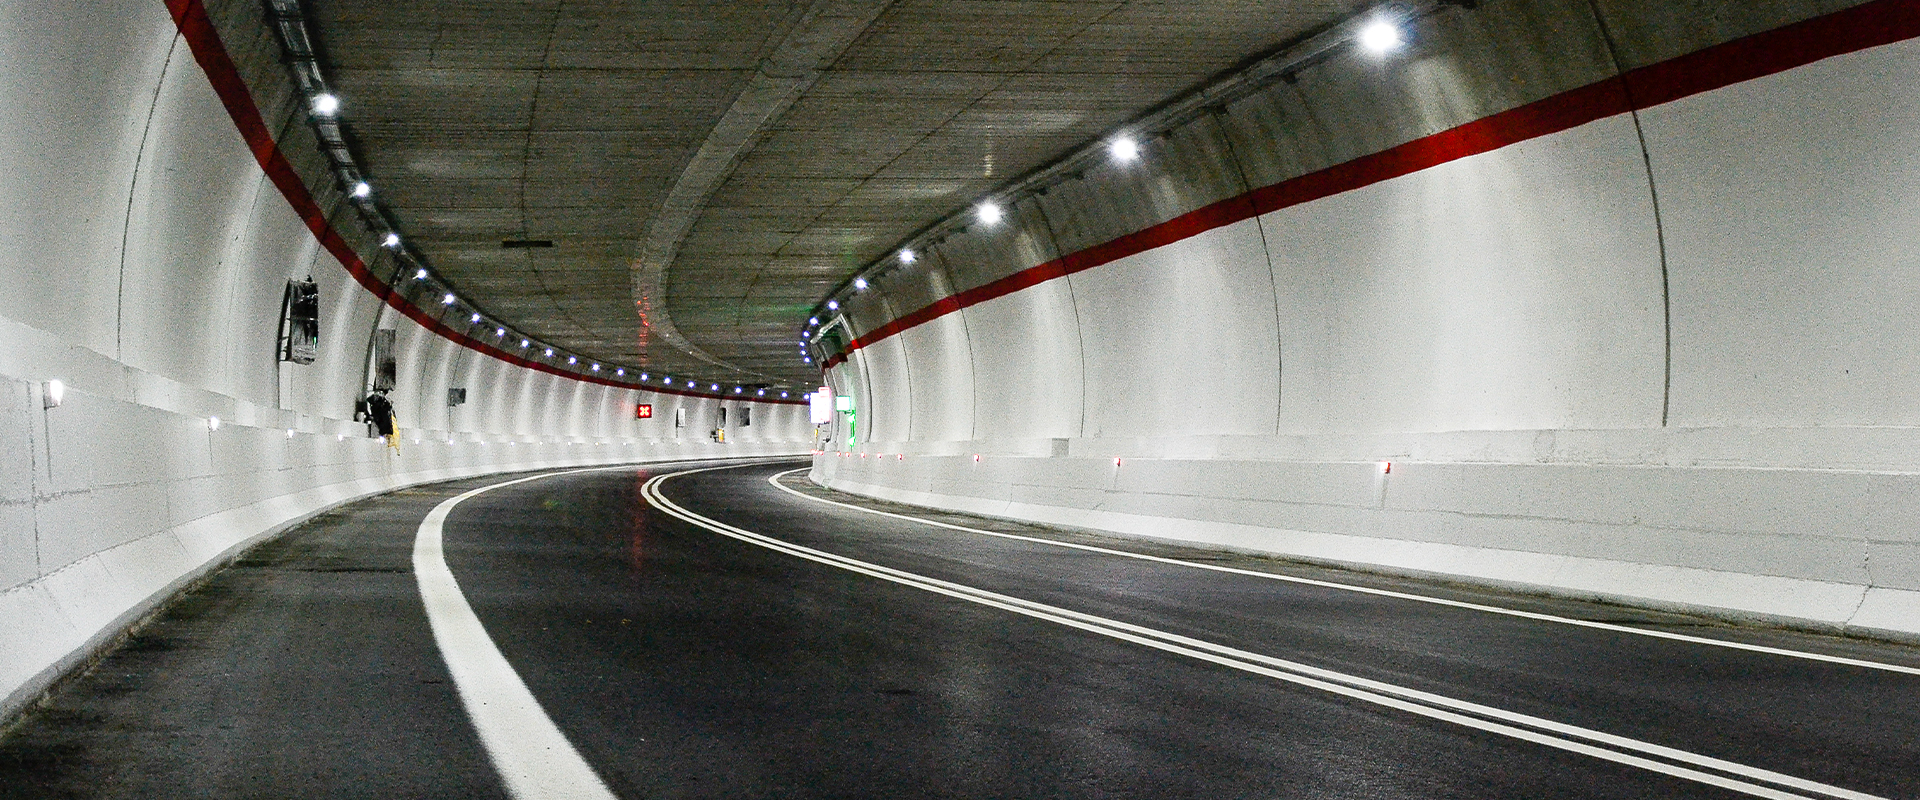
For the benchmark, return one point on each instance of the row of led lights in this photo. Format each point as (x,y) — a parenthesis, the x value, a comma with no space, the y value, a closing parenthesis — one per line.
(1379,37)
(327,105)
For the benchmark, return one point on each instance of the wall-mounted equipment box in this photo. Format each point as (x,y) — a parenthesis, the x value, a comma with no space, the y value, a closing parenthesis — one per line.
(300,322)
(680,417)
(820,406)
(456,396)
(386,367)
(643,411)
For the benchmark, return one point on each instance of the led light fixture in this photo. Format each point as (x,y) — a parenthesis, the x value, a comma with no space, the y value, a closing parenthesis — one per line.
(1380,37)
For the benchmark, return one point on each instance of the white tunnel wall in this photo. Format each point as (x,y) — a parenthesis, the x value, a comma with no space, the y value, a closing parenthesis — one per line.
(1494,329)
(143,256)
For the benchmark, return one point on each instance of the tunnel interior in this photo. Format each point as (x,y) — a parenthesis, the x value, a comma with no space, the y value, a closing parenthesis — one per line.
(1526,296)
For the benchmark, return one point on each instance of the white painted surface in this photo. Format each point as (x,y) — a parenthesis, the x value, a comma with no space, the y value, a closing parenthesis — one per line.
(1789,215)
(942,384)
(142,259)
(1026,365)
(1515,289)
(1182,339)
(1494,328)
(883,397)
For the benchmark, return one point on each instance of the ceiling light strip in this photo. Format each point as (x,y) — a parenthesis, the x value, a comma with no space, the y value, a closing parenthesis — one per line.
(1122,144)
(289,23)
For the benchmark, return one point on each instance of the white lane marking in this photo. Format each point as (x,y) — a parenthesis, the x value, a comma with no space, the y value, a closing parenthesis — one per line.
(1486,718)
(533,757)
(1679,637)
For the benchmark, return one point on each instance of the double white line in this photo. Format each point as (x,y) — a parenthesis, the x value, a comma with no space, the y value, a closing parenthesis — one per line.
(1618,749)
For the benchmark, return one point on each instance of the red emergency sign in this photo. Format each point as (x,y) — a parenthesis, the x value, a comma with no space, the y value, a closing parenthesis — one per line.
(643,411)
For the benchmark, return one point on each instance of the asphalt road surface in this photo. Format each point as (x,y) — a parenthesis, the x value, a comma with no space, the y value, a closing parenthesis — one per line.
(663,633)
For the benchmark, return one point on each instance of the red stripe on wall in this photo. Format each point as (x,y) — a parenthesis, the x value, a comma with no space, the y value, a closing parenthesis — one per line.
(1861,27)
(190,17)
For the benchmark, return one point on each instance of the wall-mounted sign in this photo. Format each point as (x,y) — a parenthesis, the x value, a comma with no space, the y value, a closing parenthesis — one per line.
(643,411)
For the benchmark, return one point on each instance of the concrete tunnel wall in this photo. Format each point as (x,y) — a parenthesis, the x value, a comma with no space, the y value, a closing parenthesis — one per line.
(143,253)
(1650,339)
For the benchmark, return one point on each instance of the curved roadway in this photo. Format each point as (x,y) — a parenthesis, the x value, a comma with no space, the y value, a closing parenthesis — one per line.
(735,632)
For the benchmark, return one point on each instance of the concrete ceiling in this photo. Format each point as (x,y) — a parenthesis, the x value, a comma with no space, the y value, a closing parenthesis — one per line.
(707,170)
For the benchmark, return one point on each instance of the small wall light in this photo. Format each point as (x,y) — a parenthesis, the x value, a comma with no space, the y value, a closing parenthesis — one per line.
(55,392)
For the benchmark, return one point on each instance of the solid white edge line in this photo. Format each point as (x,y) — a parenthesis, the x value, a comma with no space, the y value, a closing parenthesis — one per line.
(534,759)
(1533,615)
(1449,709)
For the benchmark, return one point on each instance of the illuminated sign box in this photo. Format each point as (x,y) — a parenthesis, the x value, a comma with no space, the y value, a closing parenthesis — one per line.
(643,411)
(820,406)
